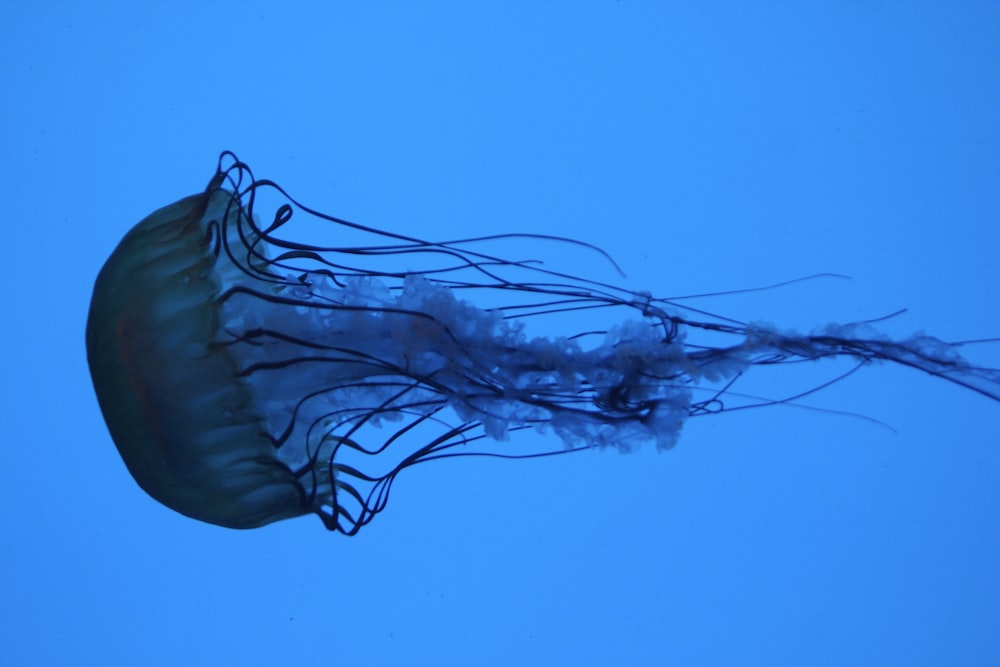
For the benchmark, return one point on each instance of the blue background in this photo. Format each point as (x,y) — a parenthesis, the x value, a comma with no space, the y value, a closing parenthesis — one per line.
(706,146)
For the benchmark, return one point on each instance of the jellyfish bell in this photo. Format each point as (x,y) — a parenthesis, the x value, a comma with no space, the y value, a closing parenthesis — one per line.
(247,377)
(186,426)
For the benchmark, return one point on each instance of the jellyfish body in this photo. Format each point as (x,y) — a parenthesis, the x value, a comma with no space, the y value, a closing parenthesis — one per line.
(187,428)
(247,378)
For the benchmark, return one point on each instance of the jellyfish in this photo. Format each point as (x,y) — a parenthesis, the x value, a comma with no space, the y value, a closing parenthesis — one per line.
(246,377)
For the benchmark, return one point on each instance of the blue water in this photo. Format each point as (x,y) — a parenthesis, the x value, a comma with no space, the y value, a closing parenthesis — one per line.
(705,147)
